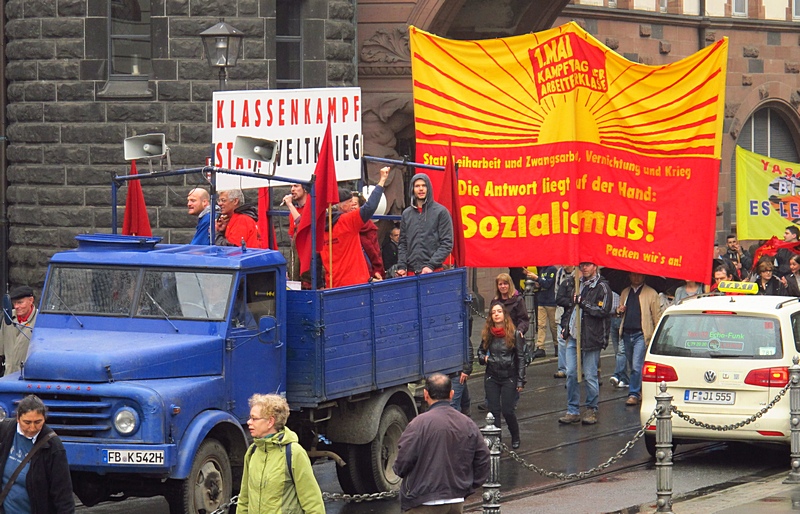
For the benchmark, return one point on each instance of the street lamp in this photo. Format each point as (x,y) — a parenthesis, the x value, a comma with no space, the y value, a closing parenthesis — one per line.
(223,45)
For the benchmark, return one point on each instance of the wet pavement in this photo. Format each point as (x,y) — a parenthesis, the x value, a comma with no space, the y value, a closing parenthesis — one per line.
(628,485)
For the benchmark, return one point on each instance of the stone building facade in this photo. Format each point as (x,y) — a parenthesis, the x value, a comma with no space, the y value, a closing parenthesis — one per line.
(73,96)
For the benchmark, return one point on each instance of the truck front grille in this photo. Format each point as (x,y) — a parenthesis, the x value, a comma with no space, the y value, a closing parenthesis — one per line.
(77,415)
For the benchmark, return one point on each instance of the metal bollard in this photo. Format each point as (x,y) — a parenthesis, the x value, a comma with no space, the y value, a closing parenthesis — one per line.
(664,450)
(491,489)
(794,422)
(530,305)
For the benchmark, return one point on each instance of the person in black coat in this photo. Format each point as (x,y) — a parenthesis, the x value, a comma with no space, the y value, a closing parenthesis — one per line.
(768,284)
(46,488)
(792,281)
(501,353)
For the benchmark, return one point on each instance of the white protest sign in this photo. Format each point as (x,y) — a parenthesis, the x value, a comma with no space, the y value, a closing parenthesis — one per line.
(296,119)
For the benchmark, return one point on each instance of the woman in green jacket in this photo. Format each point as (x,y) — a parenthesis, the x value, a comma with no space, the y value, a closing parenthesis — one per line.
(273,483)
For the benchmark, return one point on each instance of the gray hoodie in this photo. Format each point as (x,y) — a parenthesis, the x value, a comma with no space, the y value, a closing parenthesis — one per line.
(426,234)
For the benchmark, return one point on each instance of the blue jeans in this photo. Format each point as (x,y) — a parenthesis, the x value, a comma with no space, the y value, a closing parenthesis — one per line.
(621,368)
(562,350)
(590,360)
(461,401)
(634,351)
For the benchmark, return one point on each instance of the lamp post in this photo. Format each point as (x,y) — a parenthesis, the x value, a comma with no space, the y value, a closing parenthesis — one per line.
(223,45)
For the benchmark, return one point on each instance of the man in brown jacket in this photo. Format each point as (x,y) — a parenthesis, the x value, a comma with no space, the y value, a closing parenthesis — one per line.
(641,310)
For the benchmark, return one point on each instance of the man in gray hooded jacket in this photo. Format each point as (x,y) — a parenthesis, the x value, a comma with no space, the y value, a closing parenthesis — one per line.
(426,231)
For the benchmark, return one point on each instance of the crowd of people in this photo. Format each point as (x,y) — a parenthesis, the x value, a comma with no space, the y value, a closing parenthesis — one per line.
(352,254)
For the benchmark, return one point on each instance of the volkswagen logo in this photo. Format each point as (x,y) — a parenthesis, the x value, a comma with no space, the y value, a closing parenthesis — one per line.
(710,376)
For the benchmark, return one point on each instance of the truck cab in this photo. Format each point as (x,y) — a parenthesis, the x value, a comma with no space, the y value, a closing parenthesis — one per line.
(138,350)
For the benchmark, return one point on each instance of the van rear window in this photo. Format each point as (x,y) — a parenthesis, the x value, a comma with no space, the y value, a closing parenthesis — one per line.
(726,336)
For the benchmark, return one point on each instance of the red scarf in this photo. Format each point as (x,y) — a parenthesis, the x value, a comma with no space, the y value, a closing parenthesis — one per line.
(498,331)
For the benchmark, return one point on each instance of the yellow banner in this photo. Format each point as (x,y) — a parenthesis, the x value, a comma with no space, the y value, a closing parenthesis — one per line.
(767,195)
(568,152)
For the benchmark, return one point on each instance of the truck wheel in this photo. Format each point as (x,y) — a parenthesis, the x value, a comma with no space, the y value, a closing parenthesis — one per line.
(383,449)
(208,485)
(350,476)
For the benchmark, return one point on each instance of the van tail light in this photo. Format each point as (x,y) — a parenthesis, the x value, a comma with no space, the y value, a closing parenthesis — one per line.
(768,377)
(654,372)
(770,433)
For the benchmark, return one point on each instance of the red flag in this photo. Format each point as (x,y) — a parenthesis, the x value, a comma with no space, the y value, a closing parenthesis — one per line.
(265,228)
(135,222)
(326,194)
(771,248)
(448,197)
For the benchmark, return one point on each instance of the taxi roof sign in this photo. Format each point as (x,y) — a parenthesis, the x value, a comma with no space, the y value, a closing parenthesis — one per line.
(731,286)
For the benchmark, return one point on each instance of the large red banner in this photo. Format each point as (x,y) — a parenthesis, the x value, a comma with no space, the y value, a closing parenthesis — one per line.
(567,152)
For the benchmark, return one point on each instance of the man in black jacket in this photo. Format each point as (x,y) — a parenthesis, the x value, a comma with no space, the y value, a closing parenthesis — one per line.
(433,450)
(593,310)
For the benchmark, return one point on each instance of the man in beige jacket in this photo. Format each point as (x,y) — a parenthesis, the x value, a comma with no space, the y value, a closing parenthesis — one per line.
(641,310)
(15,337)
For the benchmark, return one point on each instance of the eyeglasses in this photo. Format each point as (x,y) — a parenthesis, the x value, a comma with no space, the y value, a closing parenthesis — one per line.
(253,418)
(223,200)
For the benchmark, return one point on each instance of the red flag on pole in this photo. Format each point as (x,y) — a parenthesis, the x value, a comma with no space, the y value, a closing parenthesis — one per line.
(265,228)
(135,222)
(326,194)
(448,197)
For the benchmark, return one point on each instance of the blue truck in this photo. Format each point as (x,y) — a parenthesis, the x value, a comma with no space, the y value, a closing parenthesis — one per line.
(146,355)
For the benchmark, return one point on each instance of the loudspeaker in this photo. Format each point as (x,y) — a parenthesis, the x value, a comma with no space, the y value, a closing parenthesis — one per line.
(260,150)
(148,146)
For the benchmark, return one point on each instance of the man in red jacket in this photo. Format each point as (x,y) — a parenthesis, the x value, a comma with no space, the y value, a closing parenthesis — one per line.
(237,221)
(342,255)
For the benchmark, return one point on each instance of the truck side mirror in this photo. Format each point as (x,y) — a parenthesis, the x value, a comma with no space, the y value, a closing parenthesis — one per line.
(267,329)
(8,309)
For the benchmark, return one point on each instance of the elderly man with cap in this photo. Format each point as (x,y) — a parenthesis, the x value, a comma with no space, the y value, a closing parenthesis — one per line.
(342,256)
(16,336)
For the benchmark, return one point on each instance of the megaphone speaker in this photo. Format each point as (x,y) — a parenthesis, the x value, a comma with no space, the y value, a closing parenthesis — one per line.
(148,146)
(261,150)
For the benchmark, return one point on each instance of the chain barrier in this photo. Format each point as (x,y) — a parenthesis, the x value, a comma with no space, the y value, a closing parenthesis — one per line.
(477,313)
(587,473)
(223,509)
(358,498)
(733,426)
(354,498)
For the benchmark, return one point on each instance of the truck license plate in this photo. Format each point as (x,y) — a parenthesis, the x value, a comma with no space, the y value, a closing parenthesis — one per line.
(134,457)
(715,397)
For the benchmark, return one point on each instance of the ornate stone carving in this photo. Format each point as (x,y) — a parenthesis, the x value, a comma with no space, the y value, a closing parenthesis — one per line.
(387,46)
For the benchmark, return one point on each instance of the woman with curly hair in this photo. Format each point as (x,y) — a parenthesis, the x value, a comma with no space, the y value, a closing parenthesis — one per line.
(501,353)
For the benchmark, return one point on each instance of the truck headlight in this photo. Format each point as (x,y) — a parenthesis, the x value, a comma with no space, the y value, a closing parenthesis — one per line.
(126,420)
